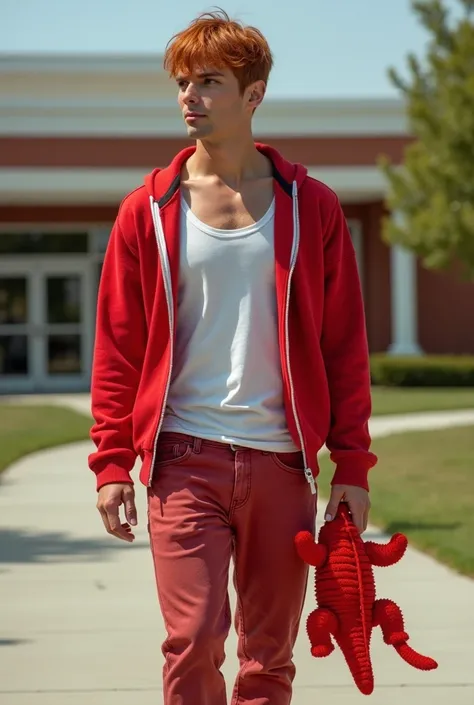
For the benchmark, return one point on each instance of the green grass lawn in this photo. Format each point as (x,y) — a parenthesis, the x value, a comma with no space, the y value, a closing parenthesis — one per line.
(423,486)
(26,429)
(397,400)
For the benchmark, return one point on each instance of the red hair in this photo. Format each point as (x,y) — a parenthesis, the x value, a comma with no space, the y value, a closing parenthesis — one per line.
(214,40)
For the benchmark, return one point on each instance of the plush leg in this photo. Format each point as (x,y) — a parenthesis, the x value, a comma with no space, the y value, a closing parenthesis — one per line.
(389,617)
(309,550)
(386,554)
(320,625)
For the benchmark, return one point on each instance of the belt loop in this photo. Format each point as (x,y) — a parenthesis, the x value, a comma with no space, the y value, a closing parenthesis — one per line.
(197,445)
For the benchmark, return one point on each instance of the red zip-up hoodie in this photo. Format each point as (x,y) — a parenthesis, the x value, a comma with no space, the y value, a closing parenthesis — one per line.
(321,326)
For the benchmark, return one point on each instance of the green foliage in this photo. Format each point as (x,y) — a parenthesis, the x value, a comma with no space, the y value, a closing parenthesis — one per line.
(432,196)
(423,371)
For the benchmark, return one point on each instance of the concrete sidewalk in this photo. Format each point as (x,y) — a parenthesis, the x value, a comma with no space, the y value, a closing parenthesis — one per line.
(79,620)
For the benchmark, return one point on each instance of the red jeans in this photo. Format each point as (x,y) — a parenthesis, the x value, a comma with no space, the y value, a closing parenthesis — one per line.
(208,503)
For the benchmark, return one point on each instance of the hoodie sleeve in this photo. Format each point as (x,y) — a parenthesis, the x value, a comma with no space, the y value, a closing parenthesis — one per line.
(119,350)
(346,356)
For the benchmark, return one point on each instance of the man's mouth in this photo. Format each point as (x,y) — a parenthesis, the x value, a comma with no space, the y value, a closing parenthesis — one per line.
(191,116)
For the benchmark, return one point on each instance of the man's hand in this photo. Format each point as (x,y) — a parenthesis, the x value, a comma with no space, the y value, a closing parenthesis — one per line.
(108,503)
(359,504)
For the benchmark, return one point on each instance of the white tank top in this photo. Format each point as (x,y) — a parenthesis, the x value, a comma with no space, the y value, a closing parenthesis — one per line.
(226,382)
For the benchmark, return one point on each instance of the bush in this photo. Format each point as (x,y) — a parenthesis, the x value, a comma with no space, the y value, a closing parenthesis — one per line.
(423,371)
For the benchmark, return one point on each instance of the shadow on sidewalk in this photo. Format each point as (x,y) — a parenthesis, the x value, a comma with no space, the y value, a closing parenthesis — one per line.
(14,642)
(21,546)
(403,526)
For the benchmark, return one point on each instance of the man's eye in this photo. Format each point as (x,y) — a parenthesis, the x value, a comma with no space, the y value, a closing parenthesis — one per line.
(210,80)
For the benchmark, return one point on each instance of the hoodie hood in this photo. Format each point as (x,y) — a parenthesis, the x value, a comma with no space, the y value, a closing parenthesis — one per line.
(161,184)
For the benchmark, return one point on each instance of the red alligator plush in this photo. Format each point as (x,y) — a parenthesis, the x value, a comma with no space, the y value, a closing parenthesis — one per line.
(345,593)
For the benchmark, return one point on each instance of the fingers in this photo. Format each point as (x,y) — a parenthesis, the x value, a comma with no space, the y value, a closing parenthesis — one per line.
(359,506)
(129,503)
(121,531)
(358,501)
(357,512)
(366,516)
(337,493)
(124,532)
(110,499)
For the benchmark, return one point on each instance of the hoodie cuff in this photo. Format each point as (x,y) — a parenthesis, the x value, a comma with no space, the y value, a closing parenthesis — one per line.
(351,474)
(112,473)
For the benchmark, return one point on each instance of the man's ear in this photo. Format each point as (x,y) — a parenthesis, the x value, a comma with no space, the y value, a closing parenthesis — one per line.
(256,94)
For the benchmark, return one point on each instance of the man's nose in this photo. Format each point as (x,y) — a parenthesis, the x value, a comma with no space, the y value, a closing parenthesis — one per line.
(191,95)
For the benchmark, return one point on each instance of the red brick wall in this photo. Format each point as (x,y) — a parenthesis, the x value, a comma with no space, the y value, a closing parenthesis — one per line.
(445,301)
(445,312)
(58,214)
(147,152)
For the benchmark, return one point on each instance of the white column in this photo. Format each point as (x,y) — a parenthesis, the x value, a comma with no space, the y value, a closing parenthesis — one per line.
(404,303)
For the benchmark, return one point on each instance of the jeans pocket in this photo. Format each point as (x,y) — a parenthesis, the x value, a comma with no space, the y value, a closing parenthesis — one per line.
(172,453)
(290,462)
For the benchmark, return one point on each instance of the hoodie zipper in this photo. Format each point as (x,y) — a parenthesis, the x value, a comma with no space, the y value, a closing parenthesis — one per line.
(294,254)
(161,242)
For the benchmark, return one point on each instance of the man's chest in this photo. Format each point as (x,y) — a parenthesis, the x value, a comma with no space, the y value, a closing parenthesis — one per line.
(221,258)
(221,207)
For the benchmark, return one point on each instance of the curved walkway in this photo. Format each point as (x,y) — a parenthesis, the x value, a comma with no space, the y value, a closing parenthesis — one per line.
(79,620)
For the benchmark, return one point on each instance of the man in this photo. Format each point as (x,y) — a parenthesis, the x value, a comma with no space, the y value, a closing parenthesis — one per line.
(230,347)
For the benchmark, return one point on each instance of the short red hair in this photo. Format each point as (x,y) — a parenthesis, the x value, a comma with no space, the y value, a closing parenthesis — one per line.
(214,40)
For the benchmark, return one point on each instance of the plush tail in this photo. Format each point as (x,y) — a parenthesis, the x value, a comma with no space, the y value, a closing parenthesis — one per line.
(413,658)
(356,650)
(389,616)
(366,684)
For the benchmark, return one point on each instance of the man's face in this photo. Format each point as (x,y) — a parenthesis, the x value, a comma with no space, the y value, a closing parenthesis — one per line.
(212,104)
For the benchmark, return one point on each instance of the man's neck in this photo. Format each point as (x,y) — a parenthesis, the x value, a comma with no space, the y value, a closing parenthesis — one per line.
(233,162)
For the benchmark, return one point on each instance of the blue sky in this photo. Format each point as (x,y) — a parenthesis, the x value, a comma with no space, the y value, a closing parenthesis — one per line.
(322,48)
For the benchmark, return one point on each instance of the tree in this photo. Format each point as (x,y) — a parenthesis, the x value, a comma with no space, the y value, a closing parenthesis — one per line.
(431,197)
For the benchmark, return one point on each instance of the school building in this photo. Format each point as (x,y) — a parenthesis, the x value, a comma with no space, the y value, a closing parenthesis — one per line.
(78,132)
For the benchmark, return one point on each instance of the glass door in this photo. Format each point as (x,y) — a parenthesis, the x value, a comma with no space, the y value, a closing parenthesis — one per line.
(46,324)
(16,328)
(63,343)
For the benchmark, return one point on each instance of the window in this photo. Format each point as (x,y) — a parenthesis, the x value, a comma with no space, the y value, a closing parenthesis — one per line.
(38,243)
(100,239)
